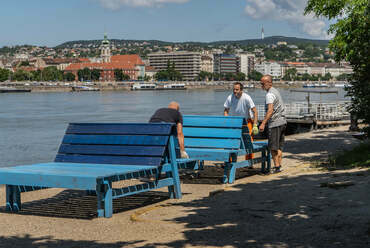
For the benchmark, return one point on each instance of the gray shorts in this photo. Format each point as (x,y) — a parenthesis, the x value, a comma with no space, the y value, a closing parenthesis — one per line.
(276,136)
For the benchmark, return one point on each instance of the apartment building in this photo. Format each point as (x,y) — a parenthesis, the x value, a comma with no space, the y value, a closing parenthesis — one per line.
(246,62)
(206,63)
(271,68)
(226,63)
(187,63)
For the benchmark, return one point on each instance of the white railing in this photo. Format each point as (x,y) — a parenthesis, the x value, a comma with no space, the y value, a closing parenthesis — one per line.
(316,110)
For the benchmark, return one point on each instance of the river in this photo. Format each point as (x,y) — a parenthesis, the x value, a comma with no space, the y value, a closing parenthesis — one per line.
(33,124)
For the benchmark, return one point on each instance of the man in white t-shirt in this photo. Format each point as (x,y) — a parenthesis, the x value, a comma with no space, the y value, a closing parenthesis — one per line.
(241,104)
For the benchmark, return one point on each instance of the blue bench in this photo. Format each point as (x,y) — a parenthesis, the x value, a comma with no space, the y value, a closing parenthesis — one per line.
(93,156)
(223,138)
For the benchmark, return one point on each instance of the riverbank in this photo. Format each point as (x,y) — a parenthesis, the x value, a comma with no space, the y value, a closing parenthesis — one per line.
(290,209)
(114,86)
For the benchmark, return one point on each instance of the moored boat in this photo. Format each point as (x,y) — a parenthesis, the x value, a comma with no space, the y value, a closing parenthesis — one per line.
(12,90)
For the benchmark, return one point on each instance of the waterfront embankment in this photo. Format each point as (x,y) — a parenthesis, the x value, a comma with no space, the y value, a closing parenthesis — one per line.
(290,209)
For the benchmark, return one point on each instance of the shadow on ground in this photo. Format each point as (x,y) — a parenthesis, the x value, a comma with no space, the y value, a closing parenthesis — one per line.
(318,145)
(283,212)
(76,204)
(48,242)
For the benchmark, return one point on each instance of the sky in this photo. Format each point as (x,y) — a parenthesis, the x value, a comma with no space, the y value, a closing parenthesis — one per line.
(52,22)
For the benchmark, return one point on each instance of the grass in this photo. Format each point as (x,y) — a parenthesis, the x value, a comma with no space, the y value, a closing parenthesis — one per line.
(358,157)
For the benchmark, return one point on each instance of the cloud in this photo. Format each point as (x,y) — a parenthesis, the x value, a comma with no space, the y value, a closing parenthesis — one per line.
(290,11)
(116,4)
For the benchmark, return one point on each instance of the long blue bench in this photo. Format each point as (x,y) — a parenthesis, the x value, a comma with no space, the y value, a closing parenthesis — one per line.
(92,156)
(223,138)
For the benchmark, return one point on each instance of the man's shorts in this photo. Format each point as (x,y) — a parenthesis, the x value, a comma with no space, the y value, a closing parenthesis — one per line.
(276,137)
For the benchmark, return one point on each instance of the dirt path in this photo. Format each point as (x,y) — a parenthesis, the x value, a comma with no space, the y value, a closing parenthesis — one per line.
(289,209)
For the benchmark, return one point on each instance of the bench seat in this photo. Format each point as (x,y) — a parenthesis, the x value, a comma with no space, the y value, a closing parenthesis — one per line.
(92,156)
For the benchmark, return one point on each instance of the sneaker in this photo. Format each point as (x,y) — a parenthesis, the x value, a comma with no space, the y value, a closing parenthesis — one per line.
(277,169)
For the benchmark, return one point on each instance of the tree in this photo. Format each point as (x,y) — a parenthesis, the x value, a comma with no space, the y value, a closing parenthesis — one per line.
(255,75)
(351,43)
(290,74)
(118,74)
(327,76)
(84,74)
(95,74)
(240,76)
(51,73)
(4,74)
(69,76)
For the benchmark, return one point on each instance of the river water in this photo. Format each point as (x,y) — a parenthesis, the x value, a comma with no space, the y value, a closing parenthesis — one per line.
(33,124)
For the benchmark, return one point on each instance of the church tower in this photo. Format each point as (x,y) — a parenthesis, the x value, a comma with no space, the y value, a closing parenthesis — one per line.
(105,50)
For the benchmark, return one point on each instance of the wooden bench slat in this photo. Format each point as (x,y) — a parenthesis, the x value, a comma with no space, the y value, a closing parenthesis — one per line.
(212,132)
(114,128)
(213,121)
(115,139)
(119,160)
(212,143)
(112,150)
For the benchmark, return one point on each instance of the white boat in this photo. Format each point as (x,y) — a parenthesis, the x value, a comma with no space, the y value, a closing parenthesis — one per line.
(174,86)
(145,86)
(84,88)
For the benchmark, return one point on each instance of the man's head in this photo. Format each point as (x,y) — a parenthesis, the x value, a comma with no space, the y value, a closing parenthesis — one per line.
(238,89)
(266,82)
(174,105)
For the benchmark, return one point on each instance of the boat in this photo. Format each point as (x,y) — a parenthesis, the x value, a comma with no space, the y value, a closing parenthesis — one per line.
(12,90)
(144,86)
(84,88)
(174,86)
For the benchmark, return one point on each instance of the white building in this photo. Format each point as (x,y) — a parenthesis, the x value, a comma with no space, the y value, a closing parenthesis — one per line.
(246,63)
(206,63)
(271,68)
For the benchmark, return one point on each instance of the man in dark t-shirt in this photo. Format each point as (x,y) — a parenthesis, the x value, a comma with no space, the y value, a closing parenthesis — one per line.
(172,114)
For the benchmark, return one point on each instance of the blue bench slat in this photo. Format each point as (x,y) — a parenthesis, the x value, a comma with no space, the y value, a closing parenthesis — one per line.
(115,139)
(209,154)
(113,150)
(213,121)
(127,128)
(212,143)
(120,160)
(212,132)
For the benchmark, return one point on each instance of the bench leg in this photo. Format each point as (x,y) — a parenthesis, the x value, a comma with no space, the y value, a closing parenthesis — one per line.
(268,161)
(105,199)
(201,164)
(9,198)
(17,205)
(225,178)
(264,159)
(171,189)
(232,173)
(99,196)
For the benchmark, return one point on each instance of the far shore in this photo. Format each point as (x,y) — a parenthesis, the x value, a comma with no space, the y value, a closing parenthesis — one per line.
(126,86)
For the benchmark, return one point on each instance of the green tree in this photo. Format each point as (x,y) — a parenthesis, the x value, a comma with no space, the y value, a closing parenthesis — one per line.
(21,75)
(51,73)
(125,77)
(351,43)
(290,74)
(69,76)
(95,74)
(84,74)
(327,76)
(343,77)
(240,76)
(118,74)
(4,74)
(255,75)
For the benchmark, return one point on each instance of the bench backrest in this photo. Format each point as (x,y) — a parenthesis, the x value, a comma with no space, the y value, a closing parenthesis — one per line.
(218,132)
(123,144)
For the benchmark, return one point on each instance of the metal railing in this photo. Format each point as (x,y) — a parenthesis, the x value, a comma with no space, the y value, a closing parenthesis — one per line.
(316,110)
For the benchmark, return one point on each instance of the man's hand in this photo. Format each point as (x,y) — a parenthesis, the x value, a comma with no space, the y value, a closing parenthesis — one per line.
(184,154)
(255,129)
(262,127)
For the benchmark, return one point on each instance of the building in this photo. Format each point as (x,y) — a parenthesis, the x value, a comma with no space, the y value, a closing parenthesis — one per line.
(271,68)
(246,63)
(187,63)
(150,71)
(105,50)
(132,65)
(226,63)
(301,67)
(206,63)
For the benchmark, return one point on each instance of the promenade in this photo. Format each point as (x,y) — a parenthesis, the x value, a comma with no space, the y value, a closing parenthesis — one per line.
(289,209)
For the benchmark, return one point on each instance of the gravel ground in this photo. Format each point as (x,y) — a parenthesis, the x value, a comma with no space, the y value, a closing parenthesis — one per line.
(294,208)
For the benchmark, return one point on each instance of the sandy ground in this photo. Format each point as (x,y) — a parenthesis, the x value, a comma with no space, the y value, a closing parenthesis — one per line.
(289,209)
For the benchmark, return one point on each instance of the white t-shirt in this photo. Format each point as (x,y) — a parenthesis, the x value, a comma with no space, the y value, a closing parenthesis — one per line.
(270,98)
(240,107)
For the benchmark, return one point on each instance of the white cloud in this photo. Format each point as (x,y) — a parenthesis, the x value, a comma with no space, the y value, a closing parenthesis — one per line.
(290,11)
(116,4)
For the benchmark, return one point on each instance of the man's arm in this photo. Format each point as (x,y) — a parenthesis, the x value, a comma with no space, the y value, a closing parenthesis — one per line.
(180,136)
(255,114)
(226,111)
(270,108)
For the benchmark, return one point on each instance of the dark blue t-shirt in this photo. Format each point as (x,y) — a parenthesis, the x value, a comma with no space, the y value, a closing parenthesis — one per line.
(166,115)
